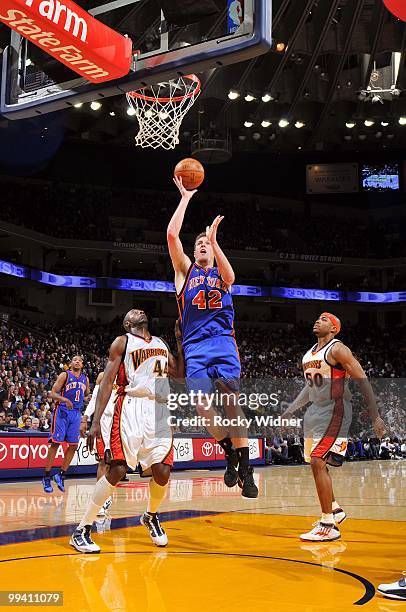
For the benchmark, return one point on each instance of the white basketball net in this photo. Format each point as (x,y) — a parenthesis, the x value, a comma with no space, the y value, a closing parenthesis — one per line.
(160,110)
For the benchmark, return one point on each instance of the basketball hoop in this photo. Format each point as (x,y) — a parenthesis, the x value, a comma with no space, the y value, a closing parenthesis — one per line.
(160,110)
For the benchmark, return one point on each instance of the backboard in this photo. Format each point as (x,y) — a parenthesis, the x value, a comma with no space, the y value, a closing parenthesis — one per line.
(34,83)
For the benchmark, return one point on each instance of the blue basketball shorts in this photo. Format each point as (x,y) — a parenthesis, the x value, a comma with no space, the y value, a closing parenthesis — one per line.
(65,425)
(210,361)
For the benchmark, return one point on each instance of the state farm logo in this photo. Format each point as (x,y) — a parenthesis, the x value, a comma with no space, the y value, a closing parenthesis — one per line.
(207,449)
(3,451)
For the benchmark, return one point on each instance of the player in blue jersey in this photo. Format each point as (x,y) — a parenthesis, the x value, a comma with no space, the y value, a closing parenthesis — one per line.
(206,312)
(70,391)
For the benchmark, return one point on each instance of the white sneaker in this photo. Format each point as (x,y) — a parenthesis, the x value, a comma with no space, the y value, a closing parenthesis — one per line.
(322,532)
(105,507)
(151,522)
(339,516)
(81,540)
(394,590)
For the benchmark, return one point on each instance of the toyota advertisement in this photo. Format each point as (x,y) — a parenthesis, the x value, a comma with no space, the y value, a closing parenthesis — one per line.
(29,453)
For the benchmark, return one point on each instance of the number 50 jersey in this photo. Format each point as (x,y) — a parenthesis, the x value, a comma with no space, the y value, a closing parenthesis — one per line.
(205,305)
(327,383)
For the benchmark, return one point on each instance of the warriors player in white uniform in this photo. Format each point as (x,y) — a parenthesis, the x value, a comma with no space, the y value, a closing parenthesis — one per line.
(103,443)
(140,432)
(327,366)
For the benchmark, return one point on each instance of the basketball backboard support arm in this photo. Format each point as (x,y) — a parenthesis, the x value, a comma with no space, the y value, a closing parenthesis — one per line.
(169,59)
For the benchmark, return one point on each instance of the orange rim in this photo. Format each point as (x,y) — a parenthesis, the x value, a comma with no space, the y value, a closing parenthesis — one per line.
(192,94)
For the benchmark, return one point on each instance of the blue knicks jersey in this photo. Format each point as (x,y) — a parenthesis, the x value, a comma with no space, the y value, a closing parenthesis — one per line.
(74,389)
(205,305)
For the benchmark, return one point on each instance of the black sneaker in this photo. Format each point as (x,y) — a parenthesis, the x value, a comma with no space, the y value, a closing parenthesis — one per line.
(151,522)
(81,539)
(247,484)
(231,473)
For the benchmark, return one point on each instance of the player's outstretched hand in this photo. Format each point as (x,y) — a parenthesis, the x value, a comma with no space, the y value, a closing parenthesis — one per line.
(211,231)
(93,435)
(183,191)
(379,427)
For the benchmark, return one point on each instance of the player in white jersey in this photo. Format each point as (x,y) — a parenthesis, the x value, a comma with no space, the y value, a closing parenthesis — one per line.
(103,443)
(327,367)
(140,431)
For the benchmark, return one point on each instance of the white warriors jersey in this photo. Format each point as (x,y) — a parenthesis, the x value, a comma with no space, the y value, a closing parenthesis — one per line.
(145,364)
(327,383)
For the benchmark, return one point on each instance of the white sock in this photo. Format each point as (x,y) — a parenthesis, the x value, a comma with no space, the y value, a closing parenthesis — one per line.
(327,518)
(335,506)
(101,492)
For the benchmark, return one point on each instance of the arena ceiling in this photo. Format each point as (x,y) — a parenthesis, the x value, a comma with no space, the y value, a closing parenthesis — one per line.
(324,75)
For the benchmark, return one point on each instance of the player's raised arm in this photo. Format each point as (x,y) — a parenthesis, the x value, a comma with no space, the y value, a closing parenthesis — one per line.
(224,267)
(106,386)
(180,260)
(176,365)
(57,388)
(341,354)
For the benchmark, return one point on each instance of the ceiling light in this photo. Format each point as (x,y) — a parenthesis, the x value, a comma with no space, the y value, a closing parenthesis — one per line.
(267,97)
(378,135)
(280,46)
(256,136)
(384,123)
(149,113)
(28,62)
(402,120)
(112,114)
(348,137)
(131,111)
(350,125)
(95,106)
(78,105)
(248,124)
(299,124)
(163,114)
(242,137)
(362,136)
(283,123)
(249,97)
(369,122)
(266,123)
(233,94)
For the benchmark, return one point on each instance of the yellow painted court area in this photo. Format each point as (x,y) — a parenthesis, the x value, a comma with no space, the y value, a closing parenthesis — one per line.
(237,555)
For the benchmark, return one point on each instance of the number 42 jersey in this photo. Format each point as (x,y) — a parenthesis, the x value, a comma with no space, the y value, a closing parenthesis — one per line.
(205,305)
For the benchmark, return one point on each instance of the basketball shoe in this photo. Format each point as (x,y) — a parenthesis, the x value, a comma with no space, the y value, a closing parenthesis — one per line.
(59,479)
(247,483)
(231,473)
(46,483)
(151,522)
(322,532)
(339,516)
(394,590)
(81,540)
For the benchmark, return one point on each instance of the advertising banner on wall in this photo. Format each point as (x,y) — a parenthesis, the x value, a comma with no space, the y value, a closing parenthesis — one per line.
(332,178)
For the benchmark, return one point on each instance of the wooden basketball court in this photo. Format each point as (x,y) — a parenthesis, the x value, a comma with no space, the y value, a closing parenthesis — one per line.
(225,553)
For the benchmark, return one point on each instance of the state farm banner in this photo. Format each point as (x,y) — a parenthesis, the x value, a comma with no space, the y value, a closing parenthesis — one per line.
(332,178)
(69,34)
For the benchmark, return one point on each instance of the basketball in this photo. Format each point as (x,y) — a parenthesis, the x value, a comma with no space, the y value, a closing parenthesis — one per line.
(191,171)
